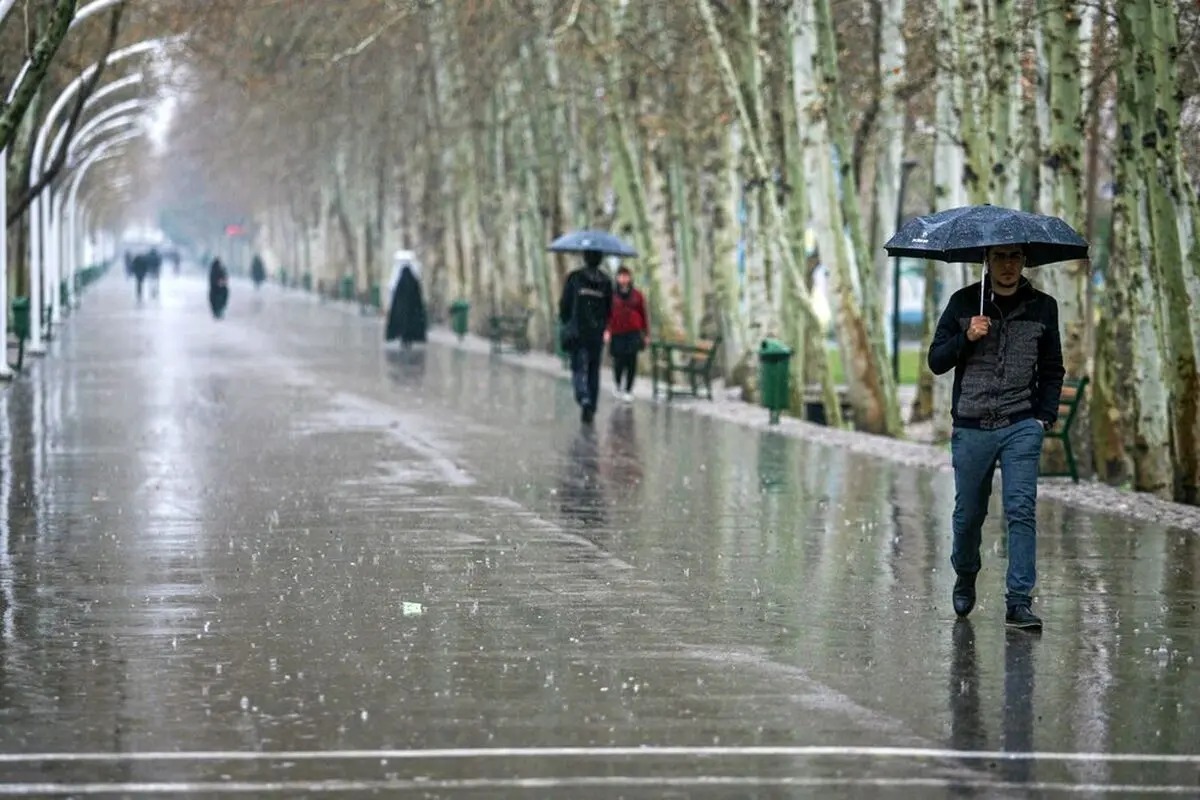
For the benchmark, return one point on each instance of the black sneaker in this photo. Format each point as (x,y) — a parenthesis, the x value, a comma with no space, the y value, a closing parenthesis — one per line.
(588,414)
(1022,617)
(964,593)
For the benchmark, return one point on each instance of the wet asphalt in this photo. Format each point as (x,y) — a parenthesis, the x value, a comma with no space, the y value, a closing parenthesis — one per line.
(269,555)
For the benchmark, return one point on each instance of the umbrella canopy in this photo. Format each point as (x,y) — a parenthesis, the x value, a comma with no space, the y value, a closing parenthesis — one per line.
(599,241)
(963,235)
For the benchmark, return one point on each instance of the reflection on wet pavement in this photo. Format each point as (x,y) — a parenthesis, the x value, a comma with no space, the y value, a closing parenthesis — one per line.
(275,541)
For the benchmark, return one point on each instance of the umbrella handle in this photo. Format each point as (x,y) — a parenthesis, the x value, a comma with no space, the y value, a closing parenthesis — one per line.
(982,279)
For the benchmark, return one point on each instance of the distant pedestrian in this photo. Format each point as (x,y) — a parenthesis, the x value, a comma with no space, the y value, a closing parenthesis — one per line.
(154,270)
(628,333)
(258,271)
(406,319)
(141,267)
(218,288)
(584,310)
(1008,374)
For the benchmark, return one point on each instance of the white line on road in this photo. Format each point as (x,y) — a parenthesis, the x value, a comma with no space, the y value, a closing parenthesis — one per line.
(605,781)
(714,751)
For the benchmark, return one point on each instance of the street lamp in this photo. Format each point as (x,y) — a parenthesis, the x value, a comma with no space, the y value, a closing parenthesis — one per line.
(906,167)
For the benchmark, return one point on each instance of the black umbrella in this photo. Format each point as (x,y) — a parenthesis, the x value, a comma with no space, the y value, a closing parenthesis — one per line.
(599,241)
(963,235)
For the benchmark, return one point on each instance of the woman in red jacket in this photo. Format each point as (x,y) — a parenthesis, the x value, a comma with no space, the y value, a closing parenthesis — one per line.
(628,332)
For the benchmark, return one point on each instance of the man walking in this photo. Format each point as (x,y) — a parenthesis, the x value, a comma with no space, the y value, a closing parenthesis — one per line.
(583,311)
(1008,374)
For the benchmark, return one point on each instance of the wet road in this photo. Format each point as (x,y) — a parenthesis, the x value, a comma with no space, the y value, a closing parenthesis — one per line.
(266,555)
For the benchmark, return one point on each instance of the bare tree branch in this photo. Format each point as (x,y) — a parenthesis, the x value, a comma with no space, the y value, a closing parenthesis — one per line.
(85,91)
(43,52)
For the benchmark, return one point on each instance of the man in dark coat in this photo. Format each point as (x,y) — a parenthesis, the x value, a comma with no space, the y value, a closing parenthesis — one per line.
(406,314)
(218,288)
(1008,374)
(583,310)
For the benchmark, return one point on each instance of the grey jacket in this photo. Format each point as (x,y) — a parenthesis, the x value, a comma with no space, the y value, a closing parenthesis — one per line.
(1012,374)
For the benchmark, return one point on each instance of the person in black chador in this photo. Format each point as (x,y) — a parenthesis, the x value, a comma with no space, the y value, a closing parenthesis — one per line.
(258,271)
(218,288)
(406,314)
(583,312)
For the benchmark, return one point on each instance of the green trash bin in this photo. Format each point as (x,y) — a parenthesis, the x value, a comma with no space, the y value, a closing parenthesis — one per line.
(348,287)
(306,281)
(20,317)
(20,327)
(376,296)
(458,317)
(774,360)
(64,294)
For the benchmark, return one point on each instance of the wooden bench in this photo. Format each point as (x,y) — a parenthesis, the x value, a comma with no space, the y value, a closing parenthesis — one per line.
(1068,407)
(513,328)
(692,362)
(814,404)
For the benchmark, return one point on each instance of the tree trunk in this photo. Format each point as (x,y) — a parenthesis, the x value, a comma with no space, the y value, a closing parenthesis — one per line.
(41,56)
(1064,161)
(968,51)
(1151,447)
(890,62)
(629,178)
(949,165)
(1003,79)
(877,408)
(1170,221)
(778,224)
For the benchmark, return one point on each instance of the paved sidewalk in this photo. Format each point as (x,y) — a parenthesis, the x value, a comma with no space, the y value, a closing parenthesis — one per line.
(268,554)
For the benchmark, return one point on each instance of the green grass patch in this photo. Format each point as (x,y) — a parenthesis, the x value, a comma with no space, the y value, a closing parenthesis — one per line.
(910,363)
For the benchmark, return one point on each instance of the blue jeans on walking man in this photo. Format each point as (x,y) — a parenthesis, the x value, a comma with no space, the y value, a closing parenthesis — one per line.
(585,372)
(1018,448)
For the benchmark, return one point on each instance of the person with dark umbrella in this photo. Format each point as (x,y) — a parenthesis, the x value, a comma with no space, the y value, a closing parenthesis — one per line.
(583,311)
(1000,337)
(1008,374)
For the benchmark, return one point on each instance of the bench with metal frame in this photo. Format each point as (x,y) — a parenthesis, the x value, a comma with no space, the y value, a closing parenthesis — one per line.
(692,362)
(512,328)
(1068,407)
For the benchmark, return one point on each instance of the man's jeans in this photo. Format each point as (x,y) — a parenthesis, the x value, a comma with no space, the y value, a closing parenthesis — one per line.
(585,372)
(974,453)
